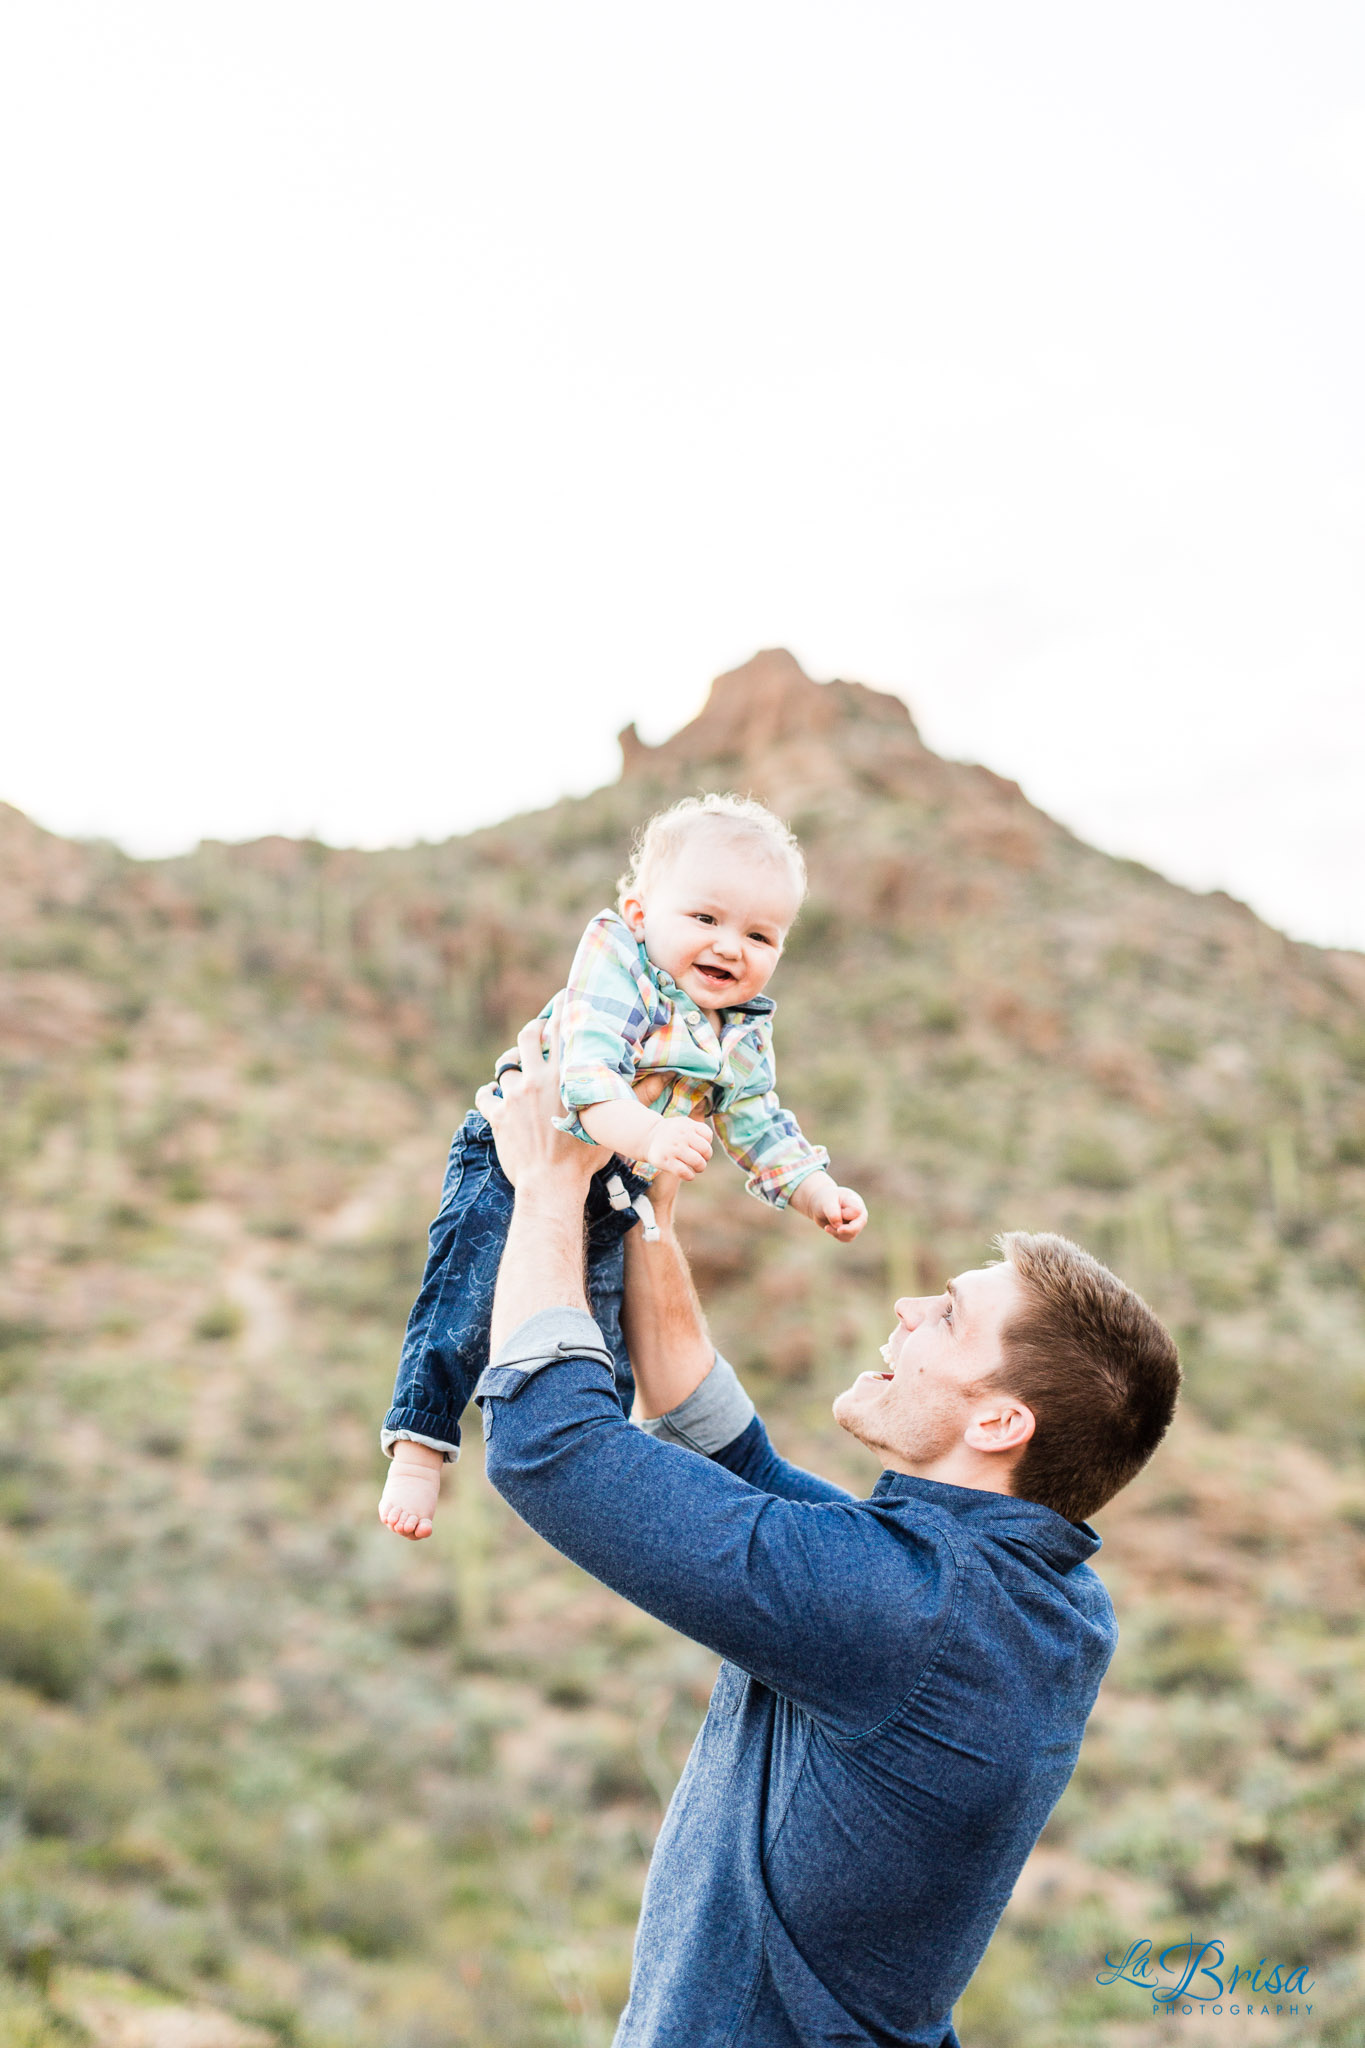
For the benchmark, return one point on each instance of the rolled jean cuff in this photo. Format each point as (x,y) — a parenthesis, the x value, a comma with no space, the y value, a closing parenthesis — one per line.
(543,1339)
(712,1416)
(389,1437)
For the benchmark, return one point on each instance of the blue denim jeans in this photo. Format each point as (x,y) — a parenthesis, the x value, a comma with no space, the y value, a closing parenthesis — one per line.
(446,1344)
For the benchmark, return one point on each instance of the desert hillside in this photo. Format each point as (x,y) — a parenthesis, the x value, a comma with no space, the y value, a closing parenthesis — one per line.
(269,1775)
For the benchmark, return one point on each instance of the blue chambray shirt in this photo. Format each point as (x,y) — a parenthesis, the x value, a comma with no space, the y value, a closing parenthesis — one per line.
(906,1682)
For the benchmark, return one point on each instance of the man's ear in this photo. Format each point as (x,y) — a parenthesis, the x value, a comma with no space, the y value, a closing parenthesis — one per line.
(633,911)
(1003,1424)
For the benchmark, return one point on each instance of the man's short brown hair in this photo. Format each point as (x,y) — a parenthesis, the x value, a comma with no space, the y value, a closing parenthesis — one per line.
(1099,1371)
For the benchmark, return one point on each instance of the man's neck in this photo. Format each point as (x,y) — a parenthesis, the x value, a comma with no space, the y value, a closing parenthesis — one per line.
(961,1466)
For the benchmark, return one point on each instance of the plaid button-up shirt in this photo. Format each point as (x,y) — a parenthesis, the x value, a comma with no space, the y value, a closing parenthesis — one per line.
(623,1017)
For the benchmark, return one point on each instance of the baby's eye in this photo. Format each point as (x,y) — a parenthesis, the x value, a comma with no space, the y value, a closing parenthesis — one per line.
(760,938)
(703,917)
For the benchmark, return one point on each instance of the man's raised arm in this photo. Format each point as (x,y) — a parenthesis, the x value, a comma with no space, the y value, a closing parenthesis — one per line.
(670,1347)
(542,1266)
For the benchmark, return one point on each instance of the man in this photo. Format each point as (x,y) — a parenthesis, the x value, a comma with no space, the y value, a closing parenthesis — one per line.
(907,1677)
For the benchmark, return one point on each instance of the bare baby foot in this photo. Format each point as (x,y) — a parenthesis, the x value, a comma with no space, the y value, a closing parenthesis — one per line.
(410,1494)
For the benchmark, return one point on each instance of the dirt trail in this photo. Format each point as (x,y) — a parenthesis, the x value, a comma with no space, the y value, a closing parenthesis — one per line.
(115,2025)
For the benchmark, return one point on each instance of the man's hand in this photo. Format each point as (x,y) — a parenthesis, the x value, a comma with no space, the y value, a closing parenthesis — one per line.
(530,1149)
(681,1145)
(841,1212)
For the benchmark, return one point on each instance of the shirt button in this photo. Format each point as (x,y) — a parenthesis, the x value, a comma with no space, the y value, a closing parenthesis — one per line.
(693,1017)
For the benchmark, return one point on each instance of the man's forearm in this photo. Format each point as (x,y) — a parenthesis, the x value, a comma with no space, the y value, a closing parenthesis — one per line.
(662,1322)
(542,1266)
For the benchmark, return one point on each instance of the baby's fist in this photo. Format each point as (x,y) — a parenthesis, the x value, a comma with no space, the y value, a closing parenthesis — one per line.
(846,1215)
(681,1145)
(841,1212)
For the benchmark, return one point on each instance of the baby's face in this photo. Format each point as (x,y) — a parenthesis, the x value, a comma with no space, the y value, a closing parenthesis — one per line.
(716,919)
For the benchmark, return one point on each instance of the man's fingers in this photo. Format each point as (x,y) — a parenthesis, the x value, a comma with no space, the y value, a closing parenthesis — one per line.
(530,1040)
(488,1100)
(551,1029)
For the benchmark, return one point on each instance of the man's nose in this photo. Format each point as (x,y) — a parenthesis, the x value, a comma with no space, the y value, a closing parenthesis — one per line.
(910,1310)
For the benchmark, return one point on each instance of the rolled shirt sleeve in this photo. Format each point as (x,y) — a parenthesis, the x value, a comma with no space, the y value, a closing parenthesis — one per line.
(715,1413)
(543,1339)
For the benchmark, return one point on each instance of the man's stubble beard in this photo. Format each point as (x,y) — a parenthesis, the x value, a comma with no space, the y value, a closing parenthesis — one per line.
(919,1438)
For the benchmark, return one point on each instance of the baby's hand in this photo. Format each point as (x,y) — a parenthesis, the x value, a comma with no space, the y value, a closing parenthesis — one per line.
(411,1491)
(848,1217)
(841,1212)
(681,1145)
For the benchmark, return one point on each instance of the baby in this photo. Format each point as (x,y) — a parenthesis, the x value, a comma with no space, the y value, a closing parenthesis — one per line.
(669,985)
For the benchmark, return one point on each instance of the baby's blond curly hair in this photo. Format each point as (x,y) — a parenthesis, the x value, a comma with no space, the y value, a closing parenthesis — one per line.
(661,837)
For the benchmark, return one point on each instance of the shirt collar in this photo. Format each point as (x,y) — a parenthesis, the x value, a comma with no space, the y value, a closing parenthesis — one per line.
(1000,1517)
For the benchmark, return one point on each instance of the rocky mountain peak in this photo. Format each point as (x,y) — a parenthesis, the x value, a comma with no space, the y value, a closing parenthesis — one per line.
(769,721)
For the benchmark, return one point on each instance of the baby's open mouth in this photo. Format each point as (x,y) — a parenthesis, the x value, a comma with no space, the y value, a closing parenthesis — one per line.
(718,974)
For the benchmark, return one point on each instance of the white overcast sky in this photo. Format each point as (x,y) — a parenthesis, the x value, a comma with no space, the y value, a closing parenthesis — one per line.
(398,398)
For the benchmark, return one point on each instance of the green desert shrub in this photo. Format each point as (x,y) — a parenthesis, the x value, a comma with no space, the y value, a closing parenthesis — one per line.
(19,1341)
(940,1013)
(46,1635)
(1189,1655)
(1090,1160)
(28,2021)
(20,1728)
(424,1616)
(379,1902)
(618,1774)
(84,1783)
(219,1320)
(1174,1042)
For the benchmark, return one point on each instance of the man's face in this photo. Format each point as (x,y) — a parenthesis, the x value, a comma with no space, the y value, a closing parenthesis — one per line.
(915,1411)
